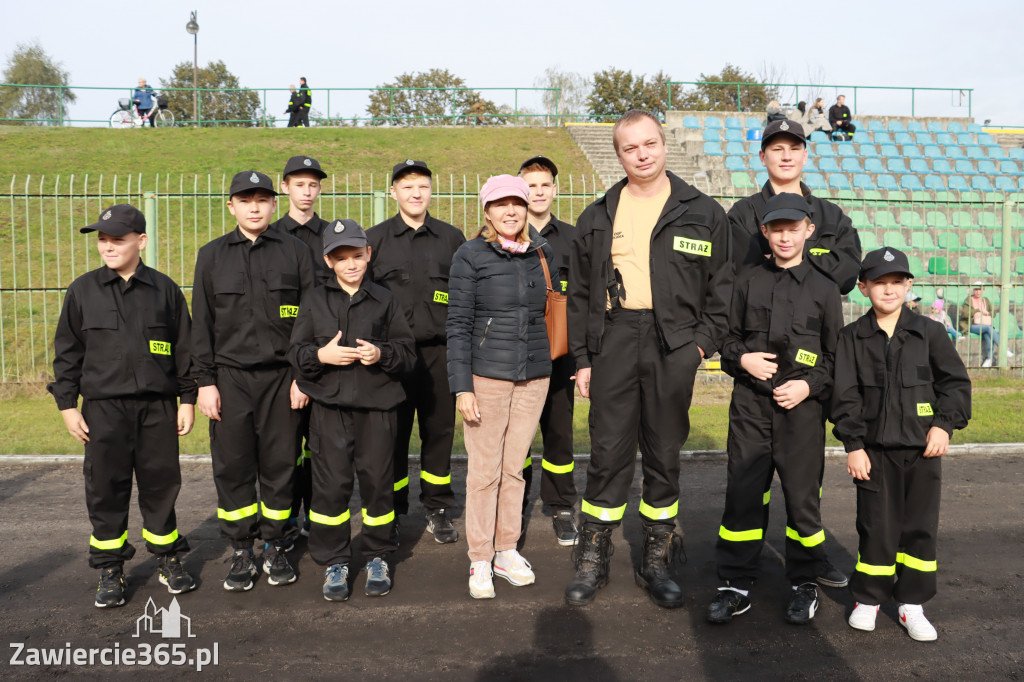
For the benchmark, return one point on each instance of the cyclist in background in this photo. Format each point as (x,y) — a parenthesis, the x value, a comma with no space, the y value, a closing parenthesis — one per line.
(145,99)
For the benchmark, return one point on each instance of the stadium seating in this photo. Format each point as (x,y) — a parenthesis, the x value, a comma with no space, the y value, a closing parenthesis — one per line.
(735,163)
(733,135)
(712,135)
(713,149)
(733,123)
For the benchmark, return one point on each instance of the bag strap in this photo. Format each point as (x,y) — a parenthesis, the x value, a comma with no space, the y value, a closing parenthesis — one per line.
(547,273)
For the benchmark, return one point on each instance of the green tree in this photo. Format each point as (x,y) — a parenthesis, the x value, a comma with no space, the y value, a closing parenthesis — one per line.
(616,91)
(30,65)
(436,97)
(710,95)
(233,103)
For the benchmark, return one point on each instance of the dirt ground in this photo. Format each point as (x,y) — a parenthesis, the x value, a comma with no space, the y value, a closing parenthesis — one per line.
(429,628)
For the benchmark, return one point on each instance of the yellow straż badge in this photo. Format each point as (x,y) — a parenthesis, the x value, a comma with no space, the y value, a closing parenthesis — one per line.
(160,347)
(289,311)
(806,357)
(697,247)
(924,410)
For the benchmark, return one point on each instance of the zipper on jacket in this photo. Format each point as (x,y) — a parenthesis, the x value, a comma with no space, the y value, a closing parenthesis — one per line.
(484,336)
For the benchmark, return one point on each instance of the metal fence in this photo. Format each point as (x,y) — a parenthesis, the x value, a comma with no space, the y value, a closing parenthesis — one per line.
(953,241)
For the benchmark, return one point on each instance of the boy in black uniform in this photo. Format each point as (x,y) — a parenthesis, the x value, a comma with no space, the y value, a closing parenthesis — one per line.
(301,182)
(351,341)
(122,344)
(247,289)
(783,323)
(305,102)
(557,489)
(411,254)
(900,390)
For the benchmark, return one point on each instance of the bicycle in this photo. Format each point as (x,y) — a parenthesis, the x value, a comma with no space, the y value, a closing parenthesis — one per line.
(128,116)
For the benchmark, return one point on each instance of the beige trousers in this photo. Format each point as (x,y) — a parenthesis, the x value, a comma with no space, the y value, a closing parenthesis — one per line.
(497,447)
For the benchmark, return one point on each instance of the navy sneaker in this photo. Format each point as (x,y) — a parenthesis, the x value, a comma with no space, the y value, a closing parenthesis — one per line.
(336,583)
(378,578)
(173,576)
(110,591)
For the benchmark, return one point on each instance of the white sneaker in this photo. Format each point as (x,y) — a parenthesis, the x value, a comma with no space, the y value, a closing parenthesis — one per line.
(480,584)
(511,566)
(863,617)
(918,627)
(987,363)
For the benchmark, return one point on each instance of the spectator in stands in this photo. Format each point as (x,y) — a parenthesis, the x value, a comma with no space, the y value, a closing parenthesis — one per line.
(976,317)
(814,118)
(145,100)
(774,111)
(911,300)
(839,120)
(940,315)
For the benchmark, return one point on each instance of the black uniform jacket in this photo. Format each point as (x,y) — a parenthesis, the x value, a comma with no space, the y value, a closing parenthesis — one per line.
(118,339)
(372,314)
(414,264)
(889,392)
(691,272)
(496,325)
(838,114)
(245,299)
(795,313)
(833,247)
(560,237)
(311,234)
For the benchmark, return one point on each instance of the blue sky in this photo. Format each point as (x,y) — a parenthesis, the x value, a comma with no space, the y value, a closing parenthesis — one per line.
(490,45)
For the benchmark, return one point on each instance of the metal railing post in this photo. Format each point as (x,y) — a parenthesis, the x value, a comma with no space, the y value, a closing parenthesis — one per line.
(378,206)
(912,102)
(152,229)
(1004,284)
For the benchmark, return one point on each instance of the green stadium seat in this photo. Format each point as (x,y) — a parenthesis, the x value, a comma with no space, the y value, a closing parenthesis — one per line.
(922,241)
(1018,269)
(859,219)
(911,219)
(945,196)
(1014,330)
(741,180)
(939,265)
(868,240)
(894,239)
(847,194)
(872,195)
(916,267)
(976,241)
(962,219)
(994,197)
(994,265)
(857,298)
(949,241)
(969,266)
(884,219)
(987,220)
(970,197)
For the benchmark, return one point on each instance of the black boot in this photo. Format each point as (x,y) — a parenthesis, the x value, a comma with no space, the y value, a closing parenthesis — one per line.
(591,556)
(653,575)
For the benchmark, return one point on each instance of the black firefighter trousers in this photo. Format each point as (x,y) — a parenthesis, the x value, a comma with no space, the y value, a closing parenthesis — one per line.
(765,438)
(557,489)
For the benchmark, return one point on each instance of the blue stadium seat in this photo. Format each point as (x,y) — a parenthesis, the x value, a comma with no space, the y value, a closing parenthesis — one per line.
(896,166)
(735,149)
(863,181)
(920,166)
(867,150)
(957,183)
(713,122)
(965,167)
(733,123)
(954,152)
(987,167)
(810,165)
(822,149)
(839,181)
(912,151)
(713,149)
(735,163)
(903,138)
(712,135)
(1005,183)
(975,152)
(1017,153)
(846,149)
(932,151)
(997,153)
(923,138)
(851,165)
(886,181)
(934,183)
(911,182)
(1009,168)
(691,122)
(954,127)
(975,128)
(828,165)
(966,139)
(733,135)
(944,139)
(986,140)
(819,136)
(754,123)
(934,127)
(882,138)
(896,127)
(942,166)
(815,180)
(761,178)
(873,166)
(754,148)
(756,165)
(981,184)
(915,127)
(891,151)
(875,126)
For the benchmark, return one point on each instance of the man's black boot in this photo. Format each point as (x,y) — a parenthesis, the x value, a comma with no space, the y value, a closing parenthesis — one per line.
(591,556)
(653,575)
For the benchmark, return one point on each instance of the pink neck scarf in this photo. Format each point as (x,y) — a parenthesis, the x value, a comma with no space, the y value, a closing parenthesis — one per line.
(512,246)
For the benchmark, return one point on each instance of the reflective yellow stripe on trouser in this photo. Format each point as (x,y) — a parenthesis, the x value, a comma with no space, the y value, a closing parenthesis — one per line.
(404,483)
(809,541)
(871,569)
(325,520)
(659,513)
(378,520)
(276,514)
(108,544)
(603,513)
(436,480)
(917,564)
(740,535)
(236,514)
(154,539)
(557,468)
(528,463)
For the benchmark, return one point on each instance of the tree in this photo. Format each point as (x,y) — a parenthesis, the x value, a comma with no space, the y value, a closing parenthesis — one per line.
(570,95)
(30,65)
(232,103)
(710,95)
(616,92)
(437,97)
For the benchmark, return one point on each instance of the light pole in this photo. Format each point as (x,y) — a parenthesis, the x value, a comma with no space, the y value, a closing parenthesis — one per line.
(193,29)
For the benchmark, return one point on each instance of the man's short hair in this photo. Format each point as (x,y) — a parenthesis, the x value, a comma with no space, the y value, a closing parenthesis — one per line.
(629,118)
(536,168)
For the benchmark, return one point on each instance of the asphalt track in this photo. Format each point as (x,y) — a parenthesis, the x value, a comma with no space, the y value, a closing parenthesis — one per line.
(429,628)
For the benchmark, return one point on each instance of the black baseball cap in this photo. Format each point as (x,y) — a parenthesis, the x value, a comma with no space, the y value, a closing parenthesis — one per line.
(250,180)
(343,232)
(543,161)
(786,206)
(118,221)
(884,261)
(409,166)
(304,163)
(783,127)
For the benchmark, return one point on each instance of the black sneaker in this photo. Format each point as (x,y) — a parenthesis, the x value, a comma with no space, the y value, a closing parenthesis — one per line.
(243,570)
(726,604)
(803,604)
(173,576)
(110,592)
(441,526)
(566,531)
(276,566)
(378,578)
(832,577)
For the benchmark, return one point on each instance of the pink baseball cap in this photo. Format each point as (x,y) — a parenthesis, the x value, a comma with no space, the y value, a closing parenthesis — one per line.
(502,186)
(937,304)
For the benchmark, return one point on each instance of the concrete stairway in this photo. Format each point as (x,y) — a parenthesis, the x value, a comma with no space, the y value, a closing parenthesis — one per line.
(596,142)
